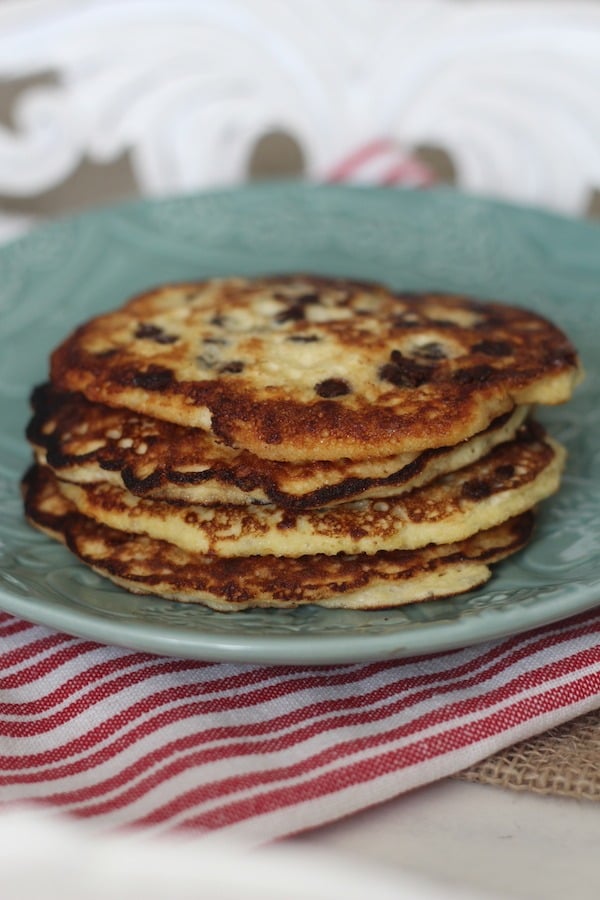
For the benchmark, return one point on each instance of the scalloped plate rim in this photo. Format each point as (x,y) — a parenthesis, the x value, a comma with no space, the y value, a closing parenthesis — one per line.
(297,649)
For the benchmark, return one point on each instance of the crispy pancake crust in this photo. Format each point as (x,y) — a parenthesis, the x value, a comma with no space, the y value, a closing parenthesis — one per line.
(302,368)
(512,478)
(88,442)
(147,566)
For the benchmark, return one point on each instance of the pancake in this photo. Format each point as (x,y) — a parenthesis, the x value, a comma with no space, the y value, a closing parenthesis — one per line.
(510,479)
(146,566)
(298,368)
(88,442)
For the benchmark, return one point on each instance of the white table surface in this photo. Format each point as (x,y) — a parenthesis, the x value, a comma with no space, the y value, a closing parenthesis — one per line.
(449,841)
(476,838)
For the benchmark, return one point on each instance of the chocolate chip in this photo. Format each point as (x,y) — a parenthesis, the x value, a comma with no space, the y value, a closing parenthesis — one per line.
(474,375)
(145,330)
(154,333)
(504,472)
(106,354)
(156,378)
(295,310)
(303,338)
(291,314)
(559,358)
(307,299)
(332,387)
(493,348)
(233,367)
(476,489)
(403,372)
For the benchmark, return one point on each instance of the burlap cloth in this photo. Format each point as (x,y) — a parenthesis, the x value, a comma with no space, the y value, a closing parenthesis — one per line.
(564,761)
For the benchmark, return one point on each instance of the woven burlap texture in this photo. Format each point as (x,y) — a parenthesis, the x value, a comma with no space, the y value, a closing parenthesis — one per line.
(564,761)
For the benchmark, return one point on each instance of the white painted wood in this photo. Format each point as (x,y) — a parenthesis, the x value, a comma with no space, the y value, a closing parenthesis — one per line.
(509,89)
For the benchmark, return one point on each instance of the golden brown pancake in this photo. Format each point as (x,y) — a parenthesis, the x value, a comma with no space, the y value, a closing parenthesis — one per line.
(512,478)
(298,368)
(148,566)
(88,442)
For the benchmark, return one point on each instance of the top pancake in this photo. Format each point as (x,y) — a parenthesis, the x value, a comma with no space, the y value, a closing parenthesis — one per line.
(300,368)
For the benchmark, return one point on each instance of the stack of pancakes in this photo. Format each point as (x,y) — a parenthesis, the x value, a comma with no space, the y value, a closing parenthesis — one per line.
(297,439)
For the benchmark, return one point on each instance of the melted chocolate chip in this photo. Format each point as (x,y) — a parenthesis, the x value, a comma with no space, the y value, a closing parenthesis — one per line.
(560,358)
(493,348)
(156,378)
(154,333)
(291,314)
(233,367)
(476,489)
(288,519)
(303,338)
(332,387)
(295,310)
(474,375)
(505,472)
(307,299)
(403,372)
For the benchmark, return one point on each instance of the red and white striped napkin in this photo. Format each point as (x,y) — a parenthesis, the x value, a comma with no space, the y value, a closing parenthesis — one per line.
(120,738)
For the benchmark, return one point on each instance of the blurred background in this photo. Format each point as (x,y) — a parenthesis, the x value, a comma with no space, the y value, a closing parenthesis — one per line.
(103,100)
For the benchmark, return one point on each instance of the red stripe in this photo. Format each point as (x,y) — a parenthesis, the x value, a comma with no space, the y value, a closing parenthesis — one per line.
(407,170)
(227,685)
(39,669)
(170,716)
(106,668)
(344,170)
(366,715)
(22,654)
(246,781)
(14,626)
(94,674)
(394,760)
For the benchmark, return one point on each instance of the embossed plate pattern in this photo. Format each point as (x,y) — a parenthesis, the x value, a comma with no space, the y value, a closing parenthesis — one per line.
(61,274)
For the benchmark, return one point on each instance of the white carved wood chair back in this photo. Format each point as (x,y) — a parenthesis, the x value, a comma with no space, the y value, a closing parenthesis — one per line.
(188,88)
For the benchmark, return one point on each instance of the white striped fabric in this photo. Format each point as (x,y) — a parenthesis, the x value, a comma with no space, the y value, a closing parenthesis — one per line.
(128,739)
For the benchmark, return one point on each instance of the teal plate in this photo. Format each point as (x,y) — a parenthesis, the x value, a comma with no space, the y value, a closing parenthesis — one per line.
(63,273)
